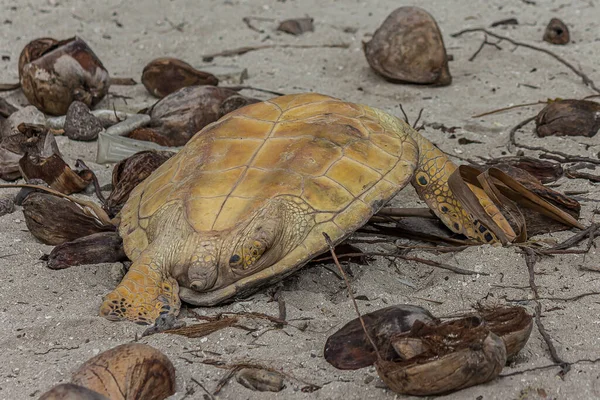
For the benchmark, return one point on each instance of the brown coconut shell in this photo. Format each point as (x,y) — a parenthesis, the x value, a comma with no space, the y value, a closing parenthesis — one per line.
(569,118)
(164,76)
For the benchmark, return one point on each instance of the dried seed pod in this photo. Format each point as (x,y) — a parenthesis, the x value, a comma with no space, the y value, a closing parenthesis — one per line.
(81,124)
(260,379)
(569,118)
(55,220)
(102,247)
(296,26)
(180,115)
(69,391)
(349,347)
(128,173)
(127,372)
(408,47)
(557,32)
(234,102)
(67,71)
(164,76)
(443,358)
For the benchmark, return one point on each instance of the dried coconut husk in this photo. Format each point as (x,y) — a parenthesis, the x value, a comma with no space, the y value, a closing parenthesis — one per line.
(164,76)
(180,115)
(128,173)
(408,47)
(349,347)
(568,118)
(31,139)
(54,220)
(543,170)
(69,391)
(557,32)
(512,324)
(53,75)
(444,358)
(55,172)
(102,247)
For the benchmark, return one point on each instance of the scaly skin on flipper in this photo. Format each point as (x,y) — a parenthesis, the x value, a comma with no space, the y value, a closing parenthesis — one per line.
(245,202)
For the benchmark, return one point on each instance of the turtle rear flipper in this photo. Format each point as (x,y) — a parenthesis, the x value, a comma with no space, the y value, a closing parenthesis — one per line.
(143,295)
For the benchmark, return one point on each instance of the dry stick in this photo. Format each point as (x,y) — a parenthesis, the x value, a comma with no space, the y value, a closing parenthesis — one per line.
(530,260)
(508,108)
(237,88)
(362,322)
(210,396)
(578,237)
(246,49)
(485,41)
(586,80)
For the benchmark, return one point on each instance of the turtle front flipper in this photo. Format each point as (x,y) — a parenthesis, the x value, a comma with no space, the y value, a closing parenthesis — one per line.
(143,295)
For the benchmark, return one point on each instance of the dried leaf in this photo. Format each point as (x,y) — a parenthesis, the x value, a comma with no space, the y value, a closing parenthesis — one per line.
(128,173)
(62,73)
(557,32)
(128,371)
(408,47)
(296,26)
(260,380)
(164,76)
(349,347)
(102,247)
(569,118)
(205,328)
(55,220)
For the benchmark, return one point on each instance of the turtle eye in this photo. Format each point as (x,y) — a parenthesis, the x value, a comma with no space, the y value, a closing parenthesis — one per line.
(235,261)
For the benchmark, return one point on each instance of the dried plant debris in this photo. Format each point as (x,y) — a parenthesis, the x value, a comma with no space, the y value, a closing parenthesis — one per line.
(54,220)
(543,170)
(128,173)
(260,380)
(126,372)
(557,32)
(55,172)
(569,118)
(349,347)
(180,115)
(54,74)
(164,76)
(234,102)
(408,47)
(203,329)
(81,124)
(102,247)
(296,26)
(417,354)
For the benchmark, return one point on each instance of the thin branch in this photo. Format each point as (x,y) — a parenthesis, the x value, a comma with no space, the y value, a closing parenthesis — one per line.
(246,49)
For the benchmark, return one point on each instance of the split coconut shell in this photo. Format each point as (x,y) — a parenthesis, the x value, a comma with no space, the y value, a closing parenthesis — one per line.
(164,76)
(53,75)
(408,47)
(568,118)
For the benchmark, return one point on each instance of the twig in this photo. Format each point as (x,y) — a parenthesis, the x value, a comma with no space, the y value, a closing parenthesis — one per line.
(436,264)
(253,88)
(247,21)
(513,132)
(210,396)
(246,49)
(6,87)
(586,80)
(578,237)
(530,260)
(414,125)
(509,108)
(122,81)
(573,173)
(485,41)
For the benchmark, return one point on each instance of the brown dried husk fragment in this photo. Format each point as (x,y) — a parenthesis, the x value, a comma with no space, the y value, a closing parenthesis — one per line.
(203,329)
(349,347)
(69,391)
(55,220)
(180,115)
(102,247)
(55,75)
(443,358)
(128,173)
(408,47)
(129,371)
(557,32)
(164,76)
(512,324)
(55,172)
(31,139)
(543,170)
(296,26)
(569,118)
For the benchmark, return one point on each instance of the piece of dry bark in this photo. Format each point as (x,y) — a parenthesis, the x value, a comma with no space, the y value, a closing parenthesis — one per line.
(164,76)
(557,32)
(569,118)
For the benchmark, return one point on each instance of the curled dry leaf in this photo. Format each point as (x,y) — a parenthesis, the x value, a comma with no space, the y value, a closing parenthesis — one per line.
(102,247)
(69,391)
(408,47)
(81,124)
(128,173)
(557,32)
(164,76)
(443,358)
(129,371)
(569,118)
(296,26)
(180,115)
(62,73)
(55,220)
(55,172)
(260,380)
(349,347)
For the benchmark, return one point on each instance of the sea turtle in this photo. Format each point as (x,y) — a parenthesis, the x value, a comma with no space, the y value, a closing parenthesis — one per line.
(246,201)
